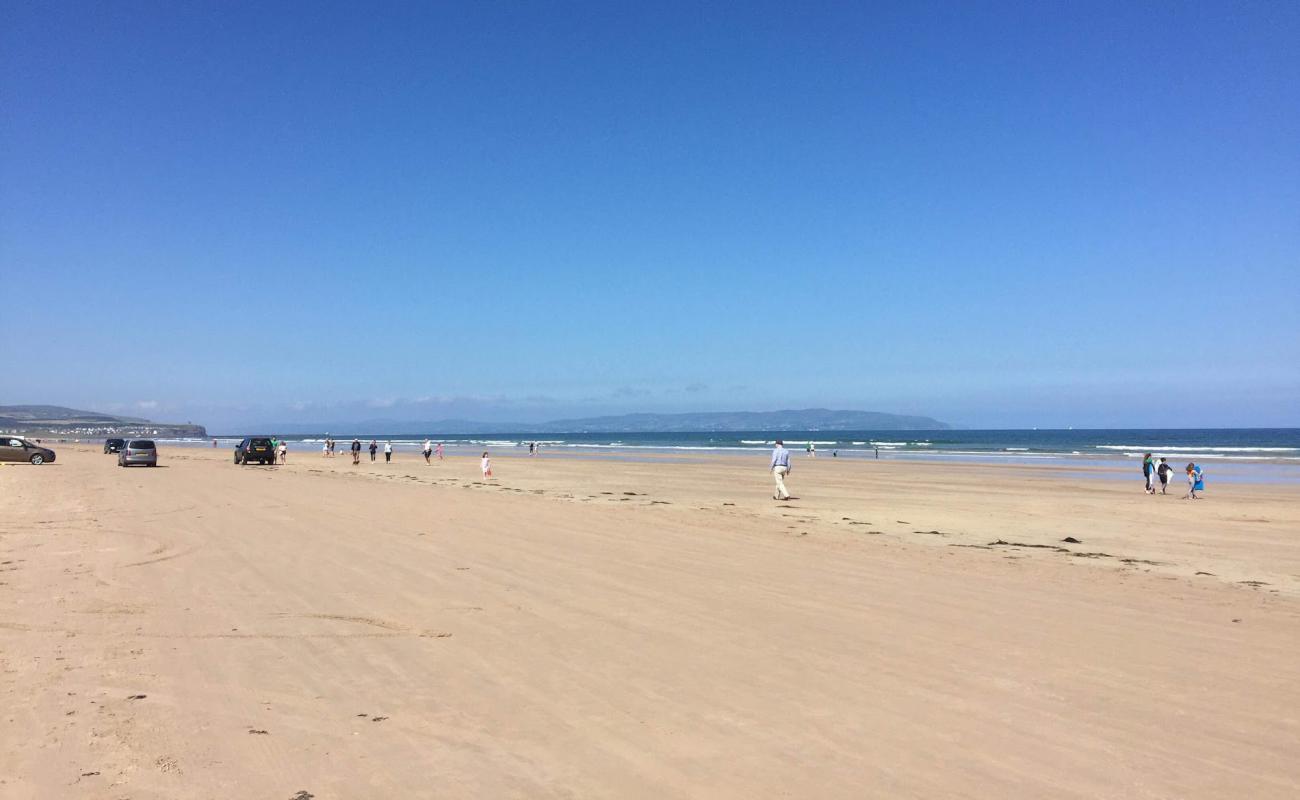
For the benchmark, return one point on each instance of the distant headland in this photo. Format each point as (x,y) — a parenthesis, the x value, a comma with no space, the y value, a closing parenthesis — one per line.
(808,419)
(60,421)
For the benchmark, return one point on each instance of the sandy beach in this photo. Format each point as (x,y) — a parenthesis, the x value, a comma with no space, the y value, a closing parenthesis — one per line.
(603,628)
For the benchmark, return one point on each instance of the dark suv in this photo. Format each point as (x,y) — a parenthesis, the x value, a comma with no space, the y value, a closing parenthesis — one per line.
(114,445)
(255,448)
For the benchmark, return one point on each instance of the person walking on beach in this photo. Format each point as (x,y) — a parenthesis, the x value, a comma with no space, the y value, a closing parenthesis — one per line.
(428,450)
(1195,482)
(1148,473)
(283,451)
(388,452)
(486,465)
(356,451)
(532,448)
(439,451)
(1163,472)
(374,448)
(780,468)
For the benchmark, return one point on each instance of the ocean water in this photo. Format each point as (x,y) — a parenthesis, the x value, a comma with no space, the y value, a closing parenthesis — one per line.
(1242,446)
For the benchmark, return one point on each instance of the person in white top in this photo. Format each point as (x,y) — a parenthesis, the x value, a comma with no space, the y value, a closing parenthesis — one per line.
(388,452)
(487,465)
(428,450)
(283,451)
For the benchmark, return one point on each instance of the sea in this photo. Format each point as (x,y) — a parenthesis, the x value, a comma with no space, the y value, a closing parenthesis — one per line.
(1267,454)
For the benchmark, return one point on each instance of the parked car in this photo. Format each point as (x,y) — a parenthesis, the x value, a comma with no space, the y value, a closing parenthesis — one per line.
(255,448)
(19,448)
(114,445)
(138,451)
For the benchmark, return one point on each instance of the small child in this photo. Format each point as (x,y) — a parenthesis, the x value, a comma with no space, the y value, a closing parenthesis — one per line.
(487,465)
(1195,482)
(1164,472)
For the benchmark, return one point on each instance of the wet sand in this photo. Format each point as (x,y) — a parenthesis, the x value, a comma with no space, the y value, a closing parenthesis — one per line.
(602,628)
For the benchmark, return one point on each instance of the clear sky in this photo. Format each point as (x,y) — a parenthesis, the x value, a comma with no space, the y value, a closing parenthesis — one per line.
(1000,215)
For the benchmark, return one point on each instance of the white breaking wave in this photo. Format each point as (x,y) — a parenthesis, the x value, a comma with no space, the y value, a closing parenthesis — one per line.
(1174,448)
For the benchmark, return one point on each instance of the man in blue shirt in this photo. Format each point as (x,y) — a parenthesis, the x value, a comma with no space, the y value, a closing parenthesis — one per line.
(780,468)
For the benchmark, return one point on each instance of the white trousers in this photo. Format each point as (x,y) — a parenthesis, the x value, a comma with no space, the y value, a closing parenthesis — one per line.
(778,474)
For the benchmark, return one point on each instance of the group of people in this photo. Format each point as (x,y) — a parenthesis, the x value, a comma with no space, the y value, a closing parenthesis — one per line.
(1161,471)
(279,449)
(328,447)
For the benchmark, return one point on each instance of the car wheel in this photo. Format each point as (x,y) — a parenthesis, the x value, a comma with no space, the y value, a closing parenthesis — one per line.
(38,459)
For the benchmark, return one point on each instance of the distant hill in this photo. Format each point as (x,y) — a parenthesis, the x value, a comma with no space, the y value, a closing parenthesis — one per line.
(60,421)
(808,419)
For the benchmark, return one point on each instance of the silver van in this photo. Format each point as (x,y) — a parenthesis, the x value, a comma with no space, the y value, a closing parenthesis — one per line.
(138,451)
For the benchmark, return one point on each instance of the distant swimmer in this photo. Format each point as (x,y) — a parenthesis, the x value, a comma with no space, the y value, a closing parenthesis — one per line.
(1164,471)
(388,452)
(428,450)
(486,465)
(780,468)
(1195,482)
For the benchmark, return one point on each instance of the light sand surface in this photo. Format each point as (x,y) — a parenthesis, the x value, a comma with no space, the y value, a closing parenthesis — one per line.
(403,630)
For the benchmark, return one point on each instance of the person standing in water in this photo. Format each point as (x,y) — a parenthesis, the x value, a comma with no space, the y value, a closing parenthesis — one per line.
(388,451)
(780,468)
(1148,473)
(428,450)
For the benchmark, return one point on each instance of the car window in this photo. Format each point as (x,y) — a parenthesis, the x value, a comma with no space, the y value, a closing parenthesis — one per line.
(262,442)
(13,442)
(142,444)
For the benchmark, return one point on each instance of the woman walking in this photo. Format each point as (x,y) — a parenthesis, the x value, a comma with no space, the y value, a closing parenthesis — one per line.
(486,465)
(388,452)
(1148,473)
(428,450)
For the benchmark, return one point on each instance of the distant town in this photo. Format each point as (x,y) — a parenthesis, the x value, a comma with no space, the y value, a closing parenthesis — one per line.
(57,422)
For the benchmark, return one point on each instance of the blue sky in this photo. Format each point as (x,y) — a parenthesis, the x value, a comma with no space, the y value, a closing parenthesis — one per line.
(999,215)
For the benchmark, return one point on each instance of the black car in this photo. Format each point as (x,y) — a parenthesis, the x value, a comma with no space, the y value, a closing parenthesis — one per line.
(114,445)
(255,448)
